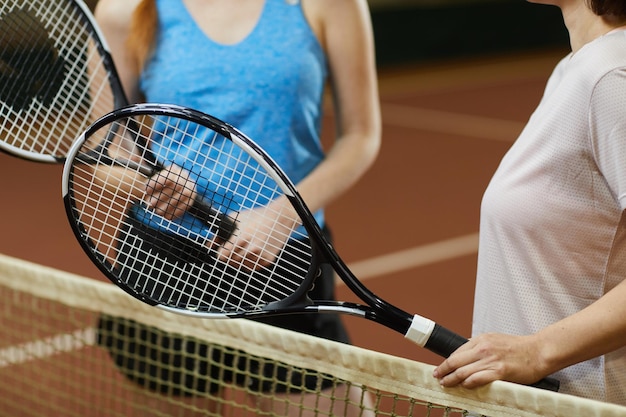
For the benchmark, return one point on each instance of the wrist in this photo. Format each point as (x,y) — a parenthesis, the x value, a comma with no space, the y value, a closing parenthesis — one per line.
(550,353)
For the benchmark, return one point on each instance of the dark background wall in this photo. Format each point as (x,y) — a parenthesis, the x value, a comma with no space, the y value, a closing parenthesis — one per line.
(471,28)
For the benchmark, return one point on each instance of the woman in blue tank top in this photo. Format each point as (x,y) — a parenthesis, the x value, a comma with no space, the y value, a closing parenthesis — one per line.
(262,66)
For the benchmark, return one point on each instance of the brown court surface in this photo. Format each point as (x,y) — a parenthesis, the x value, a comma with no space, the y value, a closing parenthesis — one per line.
(409,228)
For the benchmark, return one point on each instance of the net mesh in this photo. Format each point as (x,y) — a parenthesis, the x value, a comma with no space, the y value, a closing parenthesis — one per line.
(53,362)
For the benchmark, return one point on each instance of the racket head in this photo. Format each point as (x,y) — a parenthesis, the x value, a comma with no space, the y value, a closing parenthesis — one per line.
(173,263)
(56,77)
(181,272)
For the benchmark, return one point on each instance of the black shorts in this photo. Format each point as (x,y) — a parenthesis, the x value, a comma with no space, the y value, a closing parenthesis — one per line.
(180,365)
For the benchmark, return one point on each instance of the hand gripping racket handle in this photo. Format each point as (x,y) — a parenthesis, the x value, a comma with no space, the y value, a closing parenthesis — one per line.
(444,342)
(216,220)
(224,225)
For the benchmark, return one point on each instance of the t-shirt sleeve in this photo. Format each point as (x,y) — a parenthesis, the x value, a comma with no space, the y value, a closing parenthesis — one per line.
(607,114)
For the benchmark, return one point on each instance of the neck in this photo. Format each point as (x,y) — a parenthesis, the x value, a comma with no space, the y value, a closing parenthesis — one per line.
(584,26)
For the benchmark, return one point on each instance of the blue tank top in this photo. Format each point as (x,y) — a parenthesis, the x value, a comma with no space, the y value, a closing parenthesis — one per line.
(269,85)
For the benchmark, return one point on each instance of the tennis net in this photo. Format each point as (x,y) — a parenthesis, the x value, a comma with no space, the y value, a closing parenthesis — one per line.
(54,361)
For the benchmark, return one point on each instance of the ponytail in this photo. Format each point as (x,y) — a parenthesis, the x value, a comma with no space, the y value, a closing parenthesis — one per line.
(143,31)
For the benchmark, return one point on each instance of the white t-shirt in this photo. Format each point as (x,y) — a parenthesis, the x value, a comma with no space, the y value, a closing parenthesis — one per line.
(552,230)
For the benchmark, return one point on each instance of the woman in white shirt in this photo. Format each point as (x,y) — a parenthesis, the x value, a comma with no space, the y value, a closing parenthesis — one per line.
(550,293)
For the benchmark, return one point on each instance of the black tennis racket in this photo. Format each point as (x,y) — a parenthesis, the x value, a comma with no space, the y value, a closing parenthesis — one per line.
(268,263)
(56,77)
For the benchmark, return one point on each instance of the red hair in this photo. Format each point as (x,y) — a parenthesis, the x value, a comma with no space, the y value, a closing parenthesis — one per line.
(142,34)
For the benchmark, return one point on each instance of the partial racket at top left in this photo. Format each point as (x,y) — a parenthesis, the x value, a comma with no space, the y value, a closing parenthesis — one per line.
(56,77)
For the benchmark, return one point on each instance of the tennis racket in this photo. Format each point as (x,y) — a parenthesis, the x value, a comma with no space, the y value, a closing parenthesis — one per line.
(268,263)
(56,77)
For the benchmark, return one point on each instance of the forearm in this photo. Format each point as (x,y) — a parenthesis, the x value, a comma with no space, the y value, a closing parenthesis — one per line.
(345,31)
(594,331)
(345,164)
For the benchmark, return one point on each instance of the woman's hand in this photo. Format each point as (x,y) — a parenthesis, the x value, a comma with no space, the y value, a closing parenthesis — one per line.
(491,357)
(259,238)
(170,192)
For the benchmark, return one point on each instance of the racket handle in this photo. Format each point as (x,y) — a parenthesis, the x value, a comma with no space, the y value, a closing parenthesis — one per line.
(216,220)
(444,342)
(548,383)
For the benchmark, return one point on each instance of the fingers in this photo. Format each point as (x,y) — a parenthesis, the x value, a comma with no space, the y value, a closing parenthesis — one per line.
(472,374)
(465,368)
(170,193)
(244,251)
(490,357)
(256,243)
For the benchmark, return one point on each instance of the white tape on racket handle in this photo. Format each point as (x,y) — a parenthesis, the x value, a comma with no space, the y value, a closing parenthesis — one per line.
(420,330)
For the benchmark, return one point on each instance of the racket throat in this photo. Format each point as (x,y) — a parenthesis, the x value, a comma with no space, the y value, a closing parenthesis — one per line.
(291,305)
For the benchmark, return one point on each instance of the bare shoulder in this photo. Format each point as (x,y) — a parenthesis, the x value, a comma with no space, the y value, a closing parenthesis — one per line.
(325,9)
(336,18)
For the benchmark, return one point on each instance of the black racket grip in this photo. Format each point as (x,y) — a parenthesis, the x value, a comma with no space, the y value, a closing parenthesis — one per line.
(444,342)
(224,224)
(548,383)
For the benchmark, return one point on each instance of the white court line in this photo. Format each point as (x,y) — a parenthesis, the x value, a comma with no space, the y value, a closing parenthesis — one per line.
(451,123)
(47,347)
(415,257)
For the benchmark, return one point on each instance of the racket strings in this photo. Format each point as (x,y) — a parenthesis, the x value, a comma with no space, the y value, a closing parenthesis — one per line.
(56,80)
(259,189)
(26,49)
(99,211)
(86,89)
(86,84)
(189,285)
(178,261)
(103,197)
